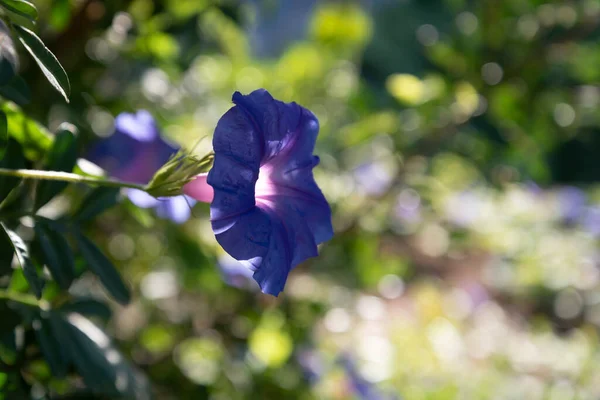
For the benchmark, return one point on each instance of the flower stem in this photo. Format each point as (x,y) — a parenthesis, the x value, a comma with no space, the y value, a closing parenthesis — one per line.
(23,298)
(67,177)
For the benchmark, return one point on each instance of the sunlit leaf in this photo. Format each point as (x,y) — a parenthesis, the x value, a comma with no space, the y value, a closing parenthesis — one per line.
(57,254)
(34,138)
(47,61)
(102,267)
(29,270)
(62,157)
(3,134)
(23,8)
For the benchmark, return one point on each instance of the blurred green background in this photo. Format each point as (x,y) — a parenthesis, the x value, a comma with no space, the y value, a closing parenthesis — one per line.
(459,150)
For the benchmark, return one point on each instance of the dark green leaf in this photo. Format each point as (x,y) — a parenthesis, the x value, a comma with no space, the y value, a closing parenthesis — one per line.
(50,347)
(21,7)
(49,64)
(14,388)
(10,318)
(62,157)
(9,60)
(88,307)
(7,253)
(13,159)
(57,254)
(102,367)
(98,201)
(29,270)
(100,265)
(3,134)
(17,91)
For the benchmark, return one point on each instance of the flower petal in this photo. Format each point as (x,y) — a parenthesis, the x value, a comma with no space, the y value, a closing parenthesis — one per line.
(275,121)
(199,189)
(290,179)
(298,237)
(233,185)
(236,137)
(275,267)
(245,237)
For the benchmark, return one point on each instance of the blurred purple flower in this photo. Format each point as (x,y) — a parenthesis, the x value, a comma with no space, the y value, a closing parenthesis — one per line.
(267,211)
(363,388)
(133,153)
(571,201)
(590,220)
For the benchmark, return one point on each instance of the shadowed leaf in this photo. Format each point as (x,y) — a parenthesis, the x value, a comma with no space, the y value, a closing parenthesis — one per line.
(29,270)
(101,365)
(57,254)
(62,157)
(98,201)
(13,159)
(102,267)
(9,60)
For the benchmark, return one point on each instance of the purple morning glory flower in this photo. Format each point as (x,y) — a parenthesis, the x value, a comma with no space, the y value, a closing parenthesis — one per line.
(133,153)
(267,211)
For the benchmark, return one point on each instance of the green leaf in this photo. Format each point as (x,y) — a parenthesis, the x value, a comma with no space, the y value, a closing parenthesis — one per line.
(57,254)
(34,138)
(88,307)
(3,134)
(47,61)
(54,354)
(21,7)
(102,366)
(13,159)
(62,157)
(102,267)
(60,15)
(9,60)
(16,90)
(98,201)
(29,270)
(7,253)
(10,318)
